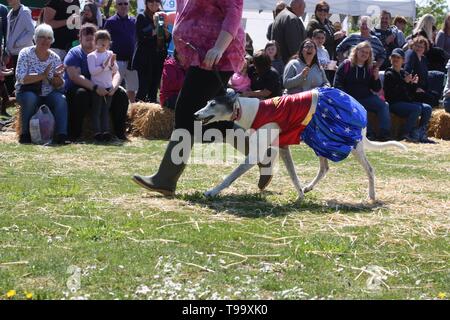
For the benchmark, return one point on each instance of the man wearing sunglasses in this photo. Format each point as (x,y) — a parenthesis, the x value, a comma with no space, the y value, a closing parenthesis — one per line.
(122,28)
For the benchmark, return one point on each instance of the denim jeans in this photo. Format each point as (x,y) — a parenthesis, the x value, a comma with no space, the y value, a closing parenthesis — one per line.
(447,104)
(412,111)
(381,109)
(30,102)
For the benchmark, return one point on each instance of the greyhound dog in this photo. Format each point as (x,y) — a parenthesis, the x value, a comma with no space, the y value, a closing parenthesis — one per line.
(243,111)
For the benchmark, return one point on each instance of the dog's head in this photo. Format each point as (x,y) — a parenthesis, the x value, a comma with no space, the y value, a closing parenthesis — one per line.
(219,109)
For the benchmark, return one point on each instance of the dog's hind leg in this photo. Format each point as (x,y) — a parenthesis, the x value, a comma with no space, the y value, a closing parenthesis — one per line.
(286,156)
(360,155)
(323,169)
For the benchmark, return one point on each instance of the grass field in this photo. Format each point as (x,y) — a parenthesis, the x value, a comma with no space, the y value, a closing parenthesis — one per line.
(76,206)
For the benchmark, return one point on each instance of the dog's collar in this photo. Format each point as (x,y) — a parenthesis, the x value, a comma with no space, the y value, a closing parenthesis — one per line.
(237,111)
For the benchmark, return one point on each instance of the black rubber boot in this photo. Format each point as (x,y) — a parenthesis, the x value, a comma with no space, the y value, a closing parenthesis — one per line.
(165,180)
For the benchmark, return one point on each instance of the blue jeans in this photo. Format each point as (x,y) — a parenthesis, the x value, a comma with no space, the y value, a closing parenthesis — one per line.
(381,109)
(30,102)
(412,111)
(447,104)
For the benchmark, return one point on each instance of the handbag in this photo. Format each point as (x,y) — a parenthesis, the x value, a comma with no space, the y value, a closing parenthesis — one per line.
(35,87)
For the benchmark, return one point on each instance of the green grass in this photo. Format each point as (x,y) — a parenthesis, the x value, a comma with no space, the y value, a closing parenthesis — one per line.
(76,206)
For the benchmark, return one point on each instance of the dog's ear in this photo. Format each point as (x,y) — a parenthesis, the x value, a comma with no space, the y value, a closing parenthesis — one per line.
(232,96)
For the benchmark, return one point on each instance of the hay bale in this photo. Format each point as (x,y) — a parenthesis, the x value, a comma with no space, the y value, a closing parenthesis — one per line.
(440,125)
(150,120)
(397,124)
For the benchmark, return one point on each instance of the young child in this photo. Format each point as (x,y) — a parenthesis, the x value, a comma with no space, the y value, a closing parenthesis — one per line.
(240,81)
(323,56)
(272,51)
(102,67)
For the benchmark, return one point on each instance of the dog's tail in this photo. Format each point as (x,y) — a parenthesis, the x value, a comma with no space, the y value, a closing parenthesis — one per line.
(372,145)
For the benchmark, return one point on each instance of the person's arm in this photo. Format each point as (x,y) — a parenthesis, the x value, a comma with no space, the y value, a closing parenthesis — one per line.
(49,18)
(410,58)
(312,25)
(292,77)
(390,86)
(375,83)
(294,36)
(28,32)
(339,78)
(93,70)
(325,82)
(343,47)
(22,75)
(143,31)
(230,27)
(440,39)
(78,79)
(5,25)
(380,51)
(260,94)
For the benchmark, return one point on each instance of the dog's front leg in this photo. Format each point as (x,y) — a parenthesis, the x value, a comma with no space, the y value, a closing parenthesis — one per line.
(323,169)
(239,171)
(286,156)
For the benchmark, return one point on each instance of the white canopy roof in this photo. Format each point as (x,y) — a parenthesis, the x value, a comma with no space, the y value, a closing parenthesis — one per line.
(405,8)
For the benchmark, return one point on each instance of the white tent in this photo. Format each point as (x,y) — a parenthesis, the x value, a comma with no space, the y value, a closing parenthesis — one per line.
(405,8)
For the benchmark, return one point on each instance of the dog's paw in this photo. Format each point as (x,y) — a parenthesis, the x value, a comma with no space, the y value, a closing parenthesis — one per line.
(307,189)
(211,193)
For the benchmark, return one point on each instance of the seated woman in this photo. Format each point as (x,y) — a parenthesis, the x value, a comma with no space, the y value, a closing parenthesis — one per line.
(265,79)
(39,80)
(304,72)
(416,63)
(360,78)
(399,88)
(171,81)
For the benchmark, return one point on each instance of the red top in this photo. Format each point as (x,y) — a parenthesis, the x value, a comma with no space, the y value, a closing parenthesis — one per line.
(171,80)
(288,112)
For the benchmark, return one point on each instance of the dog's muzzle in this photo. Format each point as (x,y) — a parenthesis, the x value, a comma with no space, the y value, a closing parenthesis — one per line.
(197,117)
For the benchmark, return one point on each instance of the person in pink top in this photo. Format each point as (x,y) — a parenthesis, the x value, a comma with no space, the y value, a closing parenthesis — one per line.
(102,67)
(240,81)
(210,42)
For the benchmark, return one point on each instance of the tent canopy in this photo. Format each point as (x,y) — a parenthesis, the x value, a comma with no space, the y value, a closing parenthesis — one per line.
(405,8)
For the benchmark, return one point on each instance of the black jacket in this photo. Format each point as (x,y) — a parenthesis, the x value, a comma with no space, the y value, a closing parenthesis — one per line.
(395,87)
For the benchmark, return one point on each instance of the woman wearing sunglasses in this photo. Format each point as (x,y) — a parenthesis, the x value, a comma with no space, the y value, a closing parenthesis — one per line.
(320,21)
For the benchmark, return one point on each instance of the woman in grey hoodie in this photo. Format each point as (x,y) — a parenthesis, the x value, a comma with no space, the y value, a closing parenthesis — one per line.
(304,72)
(20,29)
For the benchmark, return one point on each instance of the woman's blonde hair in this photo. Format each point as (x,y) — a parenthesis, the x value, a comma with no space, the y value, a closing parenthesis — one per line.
(426,24)
(353,55)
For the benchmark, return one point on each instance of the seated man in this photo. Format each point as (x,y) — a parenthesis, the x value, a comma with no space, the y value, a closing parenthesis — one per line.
(79,88)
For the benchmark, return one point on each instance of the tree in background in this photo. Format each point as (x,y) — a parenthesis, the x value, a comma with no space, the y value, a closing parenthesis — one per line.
(438,8)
